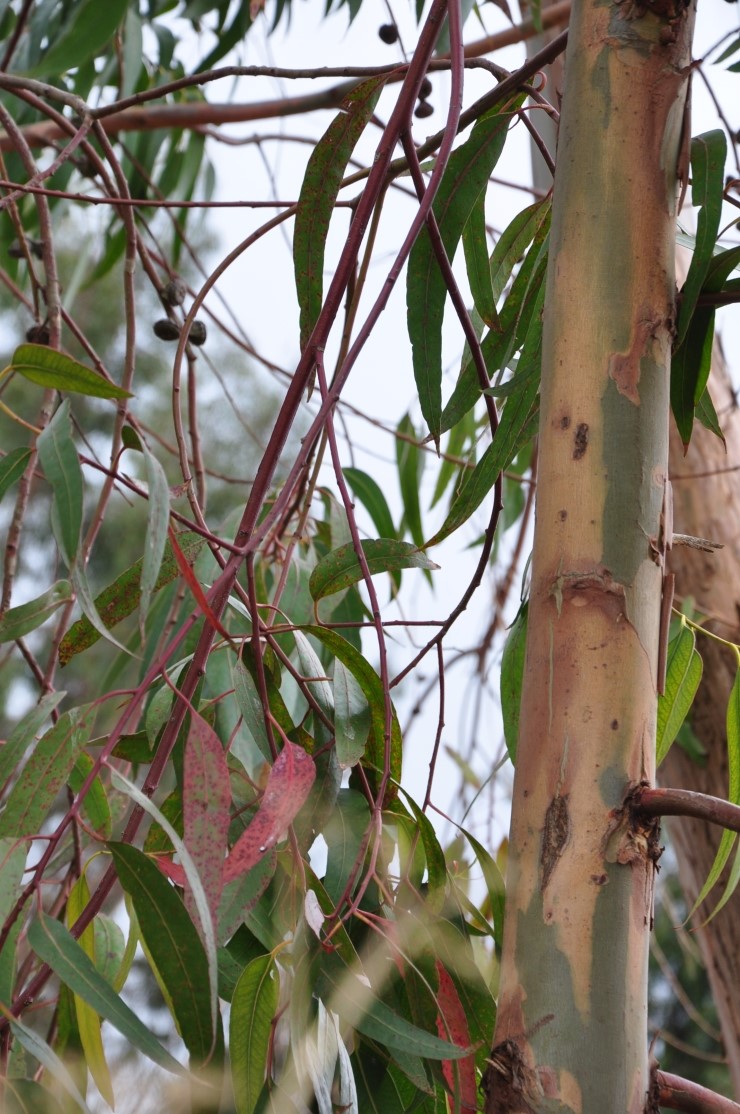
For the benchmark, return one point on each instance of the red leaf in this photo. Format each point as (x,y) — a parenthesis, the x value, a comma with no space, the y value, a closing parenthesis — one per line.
(206,799)
(452,1025)
(192,582)
(287,787)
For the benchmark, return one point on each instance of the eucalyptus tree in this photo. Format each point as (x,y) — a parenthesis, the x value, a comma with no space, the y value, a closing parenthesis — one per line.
(235,697)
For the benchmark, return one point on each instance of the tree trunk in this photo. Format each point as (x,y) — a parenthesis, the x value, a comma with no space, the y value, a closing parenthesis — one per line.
(707,504)
(571,1027)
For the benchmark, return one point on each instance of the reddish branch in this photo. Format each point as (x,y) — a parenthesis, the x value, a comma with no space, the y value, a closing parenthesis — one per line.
(685,802)
(680,1094)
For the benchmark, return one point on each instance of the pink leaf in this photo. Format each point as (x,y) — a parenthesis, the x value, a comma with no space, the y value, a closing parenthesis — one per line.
(287,787)
(206,799)
(452,1025)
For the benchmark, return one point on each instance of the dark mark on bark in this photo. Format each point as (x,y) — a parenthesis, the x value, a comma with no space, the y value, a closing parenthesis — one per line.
(554,836)
(580,441)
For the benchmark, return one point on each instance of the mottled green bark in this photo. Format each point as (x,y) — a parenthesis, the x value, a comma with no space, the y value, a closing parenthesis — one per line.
(571,1032)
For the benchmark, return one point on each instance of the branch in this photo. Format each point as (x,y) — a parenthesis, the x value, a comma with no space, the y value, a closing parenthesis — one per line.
(680,1094)
(686,802)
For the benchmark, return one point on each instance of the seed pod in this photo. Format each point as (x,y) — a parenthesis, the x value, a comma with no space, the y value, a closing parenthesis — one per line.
(197,333)
(166,329)
(423,109)
(38,334)
(425,90)
(173,293)
(35,247)
(388,33)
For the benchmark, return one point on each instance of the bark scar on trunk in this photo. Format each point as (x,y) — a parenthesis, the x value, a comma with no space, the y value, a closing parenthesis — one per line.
(633,837)
(508,1082)
(554,836)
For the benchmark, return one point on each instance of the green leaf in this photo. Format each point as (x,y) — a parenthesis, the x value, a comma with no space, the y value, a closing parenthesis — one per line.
(707,415)
(369,682)
(733,796)
(61,466)
(435,859)
(410,461)
(173,942)
(50,368)
(371,496)
(55,945)
(690,367)
(91,28)
(12,467)
(507,440)
(23,734)
(95,804)
(522,302)
(250,706)
(88,1018)
(495,885)
(41,1051)
(123,596)
(351,717)
(47,770)
(253,1008)
(466,176)
(158,518)
(18,621)
(683,674)
(318,195)
(708,155)
(512,676)
(357,1004)
(475,245)
(341,568)
(344,833)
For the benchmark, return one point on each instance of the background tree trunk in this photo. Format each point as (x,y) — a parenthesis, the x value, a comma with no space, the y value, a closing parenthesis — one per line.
(706,492)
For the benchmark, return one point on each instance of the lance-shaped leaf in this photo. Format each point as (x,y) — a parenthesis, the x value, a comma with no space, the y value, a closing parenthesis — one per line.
(20,739)
(318,195)
(357,1004)
(61,466)
(370,683)
(475,245)
(452,1024)
(344,832)
(467,173)
(18,621)
(158,517)
(410,461)
(370,494)
(253,1008)
(683,674)
(87,31)
(512,676)
(174,945)
(12,467)
(341,568)
(88,1018)
(46,771)
(50,368)
(123,596)
(522,301)
(351,717)
(733,796)
(206,799)
(288,785)
(41,1051)
(708,155)
(507,441)
(53,943)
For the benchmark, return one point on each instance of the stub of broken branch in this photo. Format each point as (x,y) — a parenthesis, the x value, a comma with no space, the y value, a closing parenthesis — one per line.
(684,802)
(675,1093)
